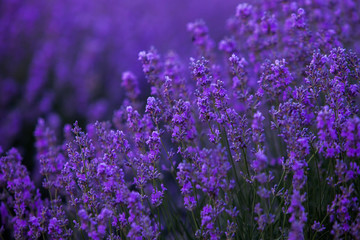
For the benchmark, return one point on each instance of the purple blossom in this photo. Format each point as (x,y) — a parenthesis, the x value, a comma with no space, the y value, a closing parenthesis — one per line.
(275,79)
(141,226)
(200,70)
(351,134)
(243,11)
(340,211)
(298,216)
(212,171)
(258,128)
(130,83)
(228,45)
(182,122)
(208,217)
(150,64)
(35,227)
(318,227)
(260,162)
(297,20)
(184,177)
(262,219)
(55,229)
(154,143)
(153,109)
(157,196)
(200,37)
(240,80)
(327,132)
(230,230)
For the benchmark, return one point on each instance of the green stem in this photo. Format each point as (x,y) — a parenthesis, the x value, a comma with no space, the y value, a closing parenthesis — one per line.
(246,163)
(193,217)
(110,230)
(319,179)
(231,160)
(252,210)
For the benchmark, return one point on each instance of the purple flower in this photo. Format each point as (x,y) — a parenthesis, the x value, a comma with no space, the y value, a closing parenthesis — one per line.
(243,11)
(154,143)
(153,109)
(228,45)
(260,161)
(130,83)
(262,219)
(200,71)
(298,216)
(182,122)
(184,177)
(156,196)
(35,227)
(200,37)
(208,217)
(318,227)
(297,20)
(55,228)
(150,64)
(340,211)
(328,138)
(257,126)
(275,79)
(351,134)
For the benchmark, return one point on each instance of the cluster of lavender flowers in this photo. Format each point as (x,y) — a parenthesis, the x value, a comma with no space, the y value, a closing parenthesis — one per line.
(256,137)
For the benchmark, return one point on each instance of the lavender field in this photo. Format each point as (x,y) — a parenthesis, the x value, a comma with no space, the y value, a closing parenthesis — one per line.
(175,120)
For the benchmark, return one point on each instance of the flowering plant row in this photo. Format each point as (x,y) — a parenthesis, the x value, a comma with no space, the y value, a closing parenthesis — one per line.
(261,143)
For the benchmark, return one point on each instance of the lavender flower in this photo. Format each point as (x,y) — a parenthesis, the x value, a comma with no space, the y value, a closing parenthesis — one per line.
(298,216)
(275,79)
(130,83)
(327,132)
(156,196)
(208,216)
(318,227)
(351,132)
(150,64)
(182,122)
(184,176)
(200,37)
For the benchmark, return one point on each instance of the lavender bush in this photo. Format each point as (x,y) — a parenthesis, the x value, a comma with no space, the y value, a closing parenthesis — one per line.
(257,136)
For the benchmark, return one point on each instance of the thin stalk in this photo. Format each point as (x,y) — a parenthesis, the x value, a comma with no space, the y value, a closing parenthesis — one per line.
(246,163)
(253,209)
(231,160)
(281,179)
(319,179)
(110,230)
(193,217)
(158,211)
